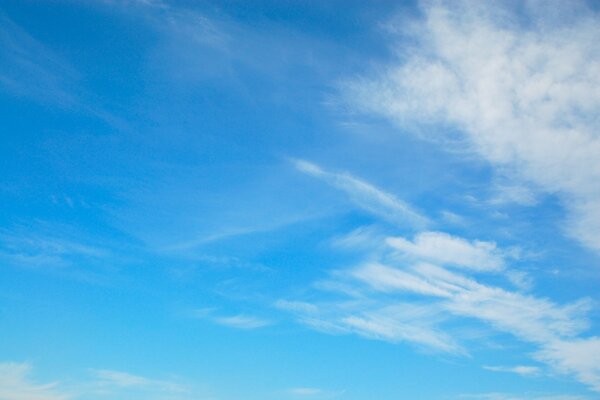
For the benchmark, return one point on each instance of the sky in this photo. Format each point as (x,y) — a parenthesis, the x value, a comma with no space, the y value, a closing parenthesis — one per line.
(232,200)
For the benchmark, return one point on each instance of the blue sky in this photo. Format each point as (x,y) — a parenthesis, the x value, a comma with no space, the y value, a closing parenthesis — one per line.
(299,200)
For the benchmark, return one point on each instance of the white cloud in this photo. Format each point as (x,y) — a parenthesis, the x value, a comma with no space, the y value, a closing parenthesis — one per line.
(296,306)
(35,250)
(30,69)
(312,392)
(508,396)
(239,321)
(361,238)
(511,193)
(525,370)
(579,357)
(126,380)
(370,198)
(15,384)
(525,95)
(450,250)
(120,378)
(411,300)
(402,323)
(384,278)
(520,279)
(453,218)
(305,391)
(242,322)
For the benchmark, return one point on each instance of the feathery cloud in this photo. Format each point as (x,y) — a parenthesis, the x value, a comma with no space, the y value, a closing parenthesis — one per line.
(524,97)
(242,322)
(526,370)
(15,384)
(399,300)
(450,250)
(366,196)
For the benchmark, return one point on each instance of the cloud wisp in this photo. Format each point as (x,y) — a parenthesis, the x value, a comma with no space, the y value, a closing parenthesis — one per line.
(450,250)
(366,196)
(525,370)
(236,321)
(406,294)
(313,393)
(242,322)
(27,249)
(28,68)
(120,379)
(16,384)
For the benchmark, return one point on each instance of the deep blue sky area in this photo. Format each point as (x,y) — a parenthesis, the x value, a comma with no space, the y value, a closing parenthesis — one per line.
(299,200)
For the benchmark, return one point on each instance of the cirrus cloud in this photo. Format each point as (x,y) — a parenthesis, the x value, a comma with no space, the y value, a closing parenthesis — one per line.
(524,95)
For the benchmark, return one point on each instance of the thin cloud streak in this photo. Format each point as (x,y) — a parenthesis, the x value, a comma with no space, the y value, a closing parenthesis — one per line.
(237,321)
(366,196)
(122,379)
(411,300)
(16,384)
(525,370)
(242,322)
(450,250)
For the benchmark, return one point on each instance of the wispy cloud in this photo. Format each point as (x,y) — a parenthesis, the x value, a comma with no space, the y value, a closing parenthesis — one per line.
(450,250)
(578,357)
(366,196)
(524,98)
(237,321)
(513,193)
(28,68)
(40,250)
(296,306)
(412,300)
(126,380)
(314,393)
(16,384)
(242,322)
(526,370)
(509,396)
(305,391)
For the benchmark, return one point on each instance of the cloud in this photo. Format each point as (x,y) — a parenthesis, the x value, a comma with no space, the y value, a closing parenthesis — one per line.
(27,68)
(41,250)
(312,392)
(512,193)
(238,321)
(366,196)
(242,322)
(359,239)
(415,299)
(578,357)
(30,69)
(401,323)
(15,384)
(126,380)
(388,279)
(508,396)
(305,391)
(522,86)
(450,250)
(296,306)
(120,378)
(526,370)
